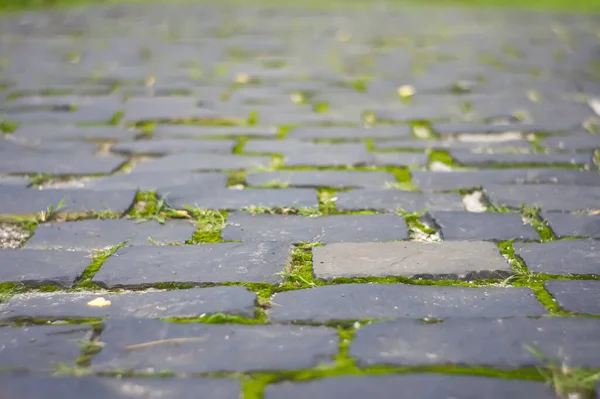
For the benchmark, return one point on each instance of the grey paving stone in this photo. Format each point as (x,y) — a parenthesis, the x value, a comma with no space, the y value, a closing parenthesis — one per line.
(153,304)
(17,200)
(42,387)
(336,179)
(561,257)
(545,196)
(477,147)
(196,264)
(424,386)
(37,268)
(468,158)
(58,164)
(400,159)
(87,235)
(483,226)
(41,348)
(465,260)
(581,296)
(451,129)
(391,200)
(221,347)
(72,132)
(228,199)
(339,228)
(329,155)
(188,162)
(572,142)
(170,108)
(573,225)
(187,131)
(152,181)
(346,132)
(466,342)
(163,147)
(439,181)
(375,301)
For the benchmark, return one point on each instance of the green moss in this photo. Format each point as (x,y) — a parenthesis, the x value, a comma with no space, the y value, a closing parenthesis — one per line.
(7,290)
(8,127)
(88,350)
(442,157)
(253,118)
(98,259)
(239,146)
(327,198)
(116,118)
(237,178)
(215,318)
(532,217)
(48,288)
(321,107)
(414,223)
(209,224)
(284,130)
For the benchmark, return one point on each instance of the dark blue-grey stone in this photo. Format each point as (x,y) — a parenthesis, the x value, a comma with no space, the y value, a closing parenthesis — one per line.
(469,158)
(572,142)
(41,348)
(163,147)
(466,342)
(573,225)
(17,200)
(204,161)
(222,348)
(86,235)
(187,131)
(229,199)
(152,181)
(316,178)
(257,262)
(391,200)
(343,132)
(464,179)
(339,228)
(37,268)
(483,226)
(581,296)
(422,386)
(376,301)
(154,304)
(20,386)
(548,197)
(561,257)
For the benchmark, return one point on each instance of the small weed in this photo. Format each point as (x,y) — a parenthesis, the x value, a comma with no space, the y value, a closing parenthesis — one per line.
(209,224)
(531,216)
(8,127)
(98,259)
(567,382)
(116,118)
(298,273)
(43,216)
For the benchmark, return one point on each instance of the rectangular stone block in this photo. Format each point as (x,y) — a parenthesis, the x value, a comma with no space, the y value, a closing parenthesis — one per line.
(465,179)
(422,386)
(152,181)
(86,235)
(483,226)
(561,257)
(468,260)
(573,225)
(347,132)
(377,301)
(15,200)
(195,264)
(41,348)
(335,179)
(51,132)
(180,196)
(581,296)
(71,387)
(187,131)
(548,197)
(201,162)
(474,159)
(150,304)
(164,147)
(148,345)
(391,200)
(466,342)
(339,228)
(36,268)
(57,163)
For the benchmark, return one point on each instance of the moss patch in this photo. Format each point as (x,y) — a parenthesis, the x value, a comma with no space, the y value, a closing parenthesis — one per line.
(98,260)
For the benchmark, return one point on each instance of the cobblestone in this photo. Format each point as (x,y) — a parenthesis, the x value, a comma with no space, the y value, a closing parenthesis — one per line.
(561,257)
(388,200)
(483,226)
(445,260)
(222,347)
(573,225)
(576,296)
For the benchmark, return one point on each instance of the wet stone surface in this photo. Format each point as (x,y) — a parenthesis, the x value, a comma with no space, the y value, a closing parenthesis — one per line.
(444,260)
(98,234)
(40,387)
(426,386)
(146,345)
(366,163)
(375,301)
(296,229)
(153,304)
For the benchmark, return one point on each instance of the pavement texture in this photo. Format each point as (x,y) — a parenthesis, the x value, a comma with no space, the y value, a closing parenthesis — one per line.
(207,201)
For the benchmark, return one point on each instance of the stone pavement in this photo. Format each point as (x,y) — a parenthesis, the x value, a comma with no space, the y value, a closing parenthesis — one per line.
(283,202)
